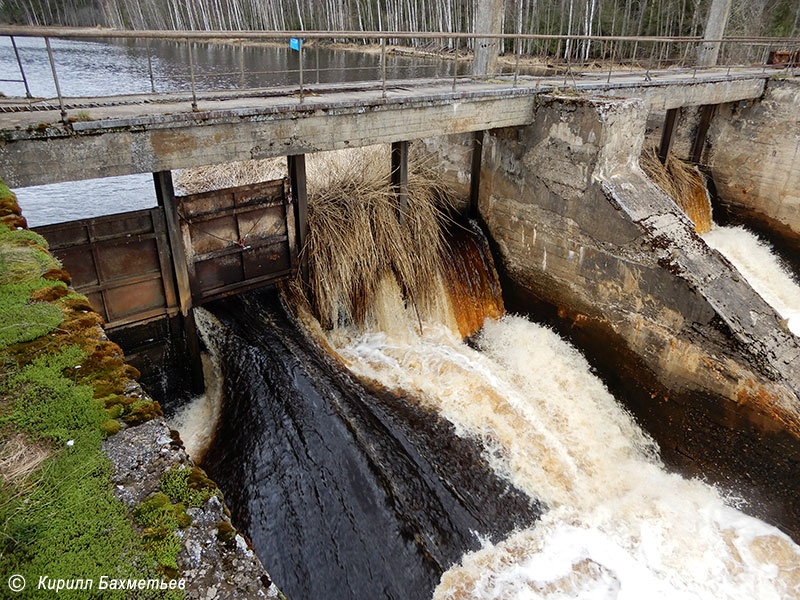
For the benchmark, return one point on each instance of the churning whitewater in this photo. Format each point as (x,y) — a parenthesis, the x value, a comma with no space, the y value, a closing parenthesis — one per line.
(755,260)
(618,525)
(197,419)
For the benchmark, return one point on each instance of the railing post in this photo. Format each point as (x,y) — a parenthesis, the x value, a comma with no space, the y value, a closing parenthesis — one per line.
(316,51)
(721,46)
(21,70)
(516,62)
(611,64)
(400,177)
(455,62)
(300,62)
(241,64)
(150,67)
(650,64)
(191,74)
(383,67)
(55,79)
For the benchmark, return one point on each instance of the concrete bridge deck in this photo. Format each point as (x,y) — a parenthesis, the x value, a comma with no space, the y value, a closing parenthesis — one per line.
(123,135)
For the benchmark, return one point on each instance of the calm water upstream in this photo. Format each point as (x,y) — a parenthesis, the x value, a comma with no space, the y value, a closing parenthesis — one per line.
(90,68)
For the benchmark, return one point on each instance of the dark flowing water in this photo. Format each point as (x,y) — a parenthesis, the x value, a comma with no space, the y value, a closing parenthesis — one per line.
(346,492)
(90,68)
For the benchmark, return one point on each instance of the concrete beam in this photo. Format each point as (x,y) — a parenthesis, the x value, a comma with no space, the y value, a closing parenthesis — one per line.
(663,97)
(149,141)
(125,150)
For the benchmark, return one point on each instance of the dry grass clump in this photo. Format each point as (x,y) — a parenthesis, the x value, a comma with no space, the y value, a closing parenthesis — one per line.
(683,183)
(19,458)
(357,236)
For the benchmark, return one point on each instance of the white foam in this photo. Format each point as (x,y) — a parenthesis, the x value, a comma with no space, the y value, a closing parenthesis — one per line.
(754,259)
(618,525)
(196,421)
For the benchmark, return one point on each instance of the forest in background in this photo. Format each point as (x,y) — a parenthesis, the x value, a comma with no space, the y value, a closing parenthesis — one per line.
(780,18)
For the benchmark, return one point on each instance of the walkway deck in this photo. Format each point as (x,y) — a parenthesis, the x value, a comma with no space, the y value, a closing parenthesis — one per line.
(152,132)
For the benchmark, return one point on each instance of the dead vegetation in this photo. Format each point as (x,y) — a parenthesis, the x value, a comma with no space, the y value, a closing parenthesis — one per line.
(20,458)
(356,234)
(682,182)
(215,177)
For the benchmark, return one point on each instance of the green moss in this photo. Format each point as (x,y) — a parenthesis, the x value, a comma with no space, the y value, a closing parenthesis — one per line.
(190,486)
(110,426)
(22,266)
(65,521)
(22,320)
(23,255)
(160,519)
(115,411)
(5,193)
(48,403)
(26,235)
(225,532)
(103,389)
(140,412)
(68,523)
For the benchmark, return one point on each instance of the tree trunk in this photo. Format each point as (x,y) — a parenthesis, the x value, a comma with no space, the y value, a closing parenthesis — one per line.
(715,28)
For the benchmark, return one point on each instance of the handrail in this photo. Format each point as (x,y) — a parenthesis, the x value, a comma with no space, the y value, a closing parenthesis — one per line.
(660,49)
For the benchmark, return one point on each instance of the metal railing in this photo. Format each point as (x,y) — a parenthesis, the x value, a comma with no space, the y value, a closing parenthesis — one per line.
(569,55)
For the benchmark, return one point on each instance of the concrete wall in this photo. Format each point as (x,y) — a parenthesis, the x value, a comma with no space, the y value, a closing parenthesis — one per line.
(754,156)
(577,224)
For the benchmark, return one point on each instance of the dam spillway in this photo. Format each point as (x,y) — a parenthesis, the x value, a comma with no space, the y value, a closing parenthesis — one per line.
(573,224)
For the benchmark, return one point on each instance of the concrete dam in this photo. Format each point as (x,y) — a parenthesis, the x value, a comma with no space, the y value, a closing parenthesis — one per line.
(459,336)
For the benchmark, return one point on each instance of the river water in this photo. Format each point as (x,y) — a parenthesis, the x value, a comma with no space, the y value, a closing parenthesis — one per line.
(87,68)
(396,460)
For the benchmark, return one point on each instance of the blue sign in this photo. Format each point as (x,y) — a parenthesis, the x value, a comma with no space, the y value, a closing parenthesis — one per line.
(294,43)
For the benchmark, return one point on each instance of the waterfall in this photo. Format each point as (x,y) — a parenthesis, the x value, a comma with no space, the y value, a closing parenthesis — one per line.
(752,257)
(197,419)
(618,525)
(763,270)
(398,435)
(346,490)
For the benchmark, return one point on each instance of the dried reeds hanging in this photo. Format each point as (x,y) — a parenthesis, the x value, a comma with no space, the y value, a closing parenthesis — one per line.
(683,183)
(356,235)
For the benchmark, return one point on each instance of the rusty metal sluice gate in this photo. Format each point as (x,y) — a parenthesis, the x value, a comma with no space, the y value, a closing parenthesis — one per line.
(156,264)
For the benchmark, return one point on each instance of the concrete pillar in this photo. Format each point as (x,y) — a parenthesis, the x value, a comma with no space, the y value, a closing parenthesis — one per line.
(715,29)
(488,19)
(297,177)
(165,194)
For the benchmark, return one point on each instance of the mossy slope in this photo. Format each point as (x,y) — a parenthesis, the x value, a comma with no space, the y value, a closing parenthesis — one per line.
(62,388)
